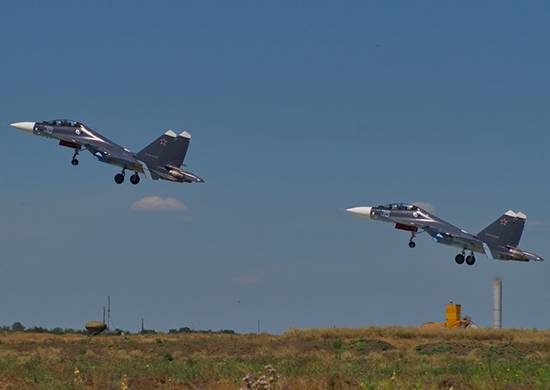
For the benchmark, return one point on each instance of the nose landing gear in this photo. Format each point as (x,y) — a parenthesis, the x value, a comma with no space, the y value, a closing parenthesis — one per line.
(412,244)
(75,161)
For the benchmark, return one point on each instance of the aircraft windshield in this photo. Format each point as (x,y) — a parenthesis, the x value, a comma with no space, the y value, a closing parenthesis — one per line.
(61,122)
(398,206)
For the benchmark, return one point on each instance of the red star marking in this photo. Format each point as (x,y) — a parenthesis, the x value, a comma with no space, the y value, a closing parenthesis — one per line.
(504,221)
(163,142)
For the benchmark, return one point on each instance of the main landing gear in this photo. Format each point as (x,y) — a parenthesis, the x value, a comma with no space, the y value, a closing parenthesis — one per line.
(470,259)
(134,179)
(119,178)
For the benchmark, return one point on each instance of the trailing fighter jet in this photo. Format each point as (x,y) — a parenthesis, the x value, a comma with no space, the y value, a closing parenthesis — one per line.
(162,159)
(498,241)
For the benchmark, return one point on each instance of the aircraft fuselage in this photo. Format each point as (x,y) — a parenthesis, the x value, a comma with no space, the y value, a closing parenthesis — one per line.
(498,242)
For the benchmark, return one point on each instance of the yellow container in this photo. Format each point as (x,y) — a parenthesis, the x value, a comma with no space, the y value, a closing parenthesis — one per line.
(452,313)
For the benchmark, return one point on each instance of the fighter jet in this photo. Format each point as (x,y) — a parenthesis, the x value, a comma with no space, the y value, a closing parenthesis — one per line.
(498,241)
(162,159)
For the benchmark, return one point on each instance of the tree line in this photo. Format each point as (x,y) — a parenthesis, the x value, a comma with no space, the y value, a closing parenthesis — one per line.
(19,327)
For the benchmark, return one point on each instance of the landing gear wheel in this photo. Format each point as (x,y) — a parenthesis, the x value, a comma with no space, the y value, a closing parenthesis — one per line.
(119,178)
(74,161)
(134,179)
(459,258)
(412,244)
(470,260)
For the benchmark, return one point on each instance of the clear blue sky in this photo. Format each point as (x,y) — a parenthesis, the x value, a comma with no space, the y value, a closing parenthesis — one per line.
(298,110)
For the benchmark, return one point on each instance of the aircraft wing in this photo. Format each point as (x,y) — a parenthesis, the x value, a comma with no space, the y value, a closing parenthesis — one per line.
(101,150)
(447,233)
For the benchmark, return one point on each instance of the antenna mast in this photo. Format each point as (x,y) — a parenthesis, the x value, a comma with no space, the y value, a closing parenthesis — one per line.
(108,311)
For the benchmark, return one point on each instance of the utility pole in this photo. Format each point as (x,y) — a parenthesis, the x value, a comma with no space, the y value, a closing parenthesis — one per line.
(108,311)
(142,327)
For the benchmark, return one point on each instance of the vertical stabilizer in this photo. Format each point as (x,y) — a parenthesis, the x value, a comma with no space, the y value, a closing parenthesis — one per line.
(505,231)
(169,149)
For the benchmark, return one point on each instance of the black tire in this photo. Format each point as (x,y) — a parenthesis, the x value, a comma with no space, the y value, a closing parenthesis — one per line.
(459,258)
(119,178)
(470,260)
(412,244)
(74,161)
(134,179)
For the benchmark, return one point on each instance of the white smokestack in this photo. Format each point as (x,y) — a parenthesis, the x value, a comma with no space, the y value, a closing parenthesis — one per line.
(497,303)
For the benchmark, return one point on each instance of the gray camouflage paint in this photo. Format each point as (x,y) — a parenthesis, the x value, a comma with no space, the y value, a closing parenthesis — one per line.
(499,240)
(159,160)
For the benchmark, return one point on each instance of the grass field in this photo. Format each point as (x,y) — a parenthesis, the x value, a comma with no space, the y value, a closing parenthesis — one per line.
(369,358)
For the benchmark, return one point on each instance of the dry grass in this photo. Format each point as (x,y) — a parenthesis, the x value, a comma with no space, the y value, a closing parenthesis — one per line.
(369,358)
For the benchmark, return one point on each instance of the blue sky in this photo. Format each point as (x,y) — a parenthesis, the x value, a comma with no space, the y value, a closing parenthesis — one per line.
(298,110)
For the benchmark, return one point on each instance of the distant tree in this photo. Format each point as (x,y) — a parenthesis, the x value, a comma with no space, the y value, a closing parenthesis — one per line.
(36,329)
(18,327)
(57,331)
(209,331)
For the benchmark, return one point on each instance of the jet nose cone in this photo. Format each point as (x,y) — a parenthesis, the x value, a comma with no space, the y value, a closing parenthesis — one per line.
(25,126)
(361,211)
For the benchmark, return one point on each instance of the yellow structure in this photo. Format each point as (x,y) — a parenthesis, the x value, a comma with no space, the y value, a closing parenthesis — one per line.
(95,327)
(452,318)
(452,315)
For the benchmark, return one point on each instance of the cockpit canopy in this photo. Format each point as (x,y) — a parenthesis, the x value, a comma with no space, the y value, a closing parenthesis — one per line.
(62,122)
(398,206)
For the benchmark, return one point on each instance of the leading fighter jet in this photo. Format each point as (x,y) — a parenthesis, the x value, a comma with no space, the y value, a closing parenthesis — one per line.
(498,241)
(162,159)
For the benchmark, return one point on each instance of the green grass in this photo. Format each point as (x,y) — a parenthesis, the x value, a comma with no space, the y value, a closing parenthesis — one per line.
(370,358)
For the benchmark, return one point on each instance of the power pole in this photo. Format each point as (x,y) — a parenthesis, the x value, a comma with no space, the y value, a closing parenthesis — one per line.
(108,311)
(142,327)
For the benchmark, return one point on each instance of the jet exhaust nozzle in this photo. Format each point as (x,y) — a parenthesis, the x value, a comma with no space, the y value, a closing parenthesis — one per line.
(177,174)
